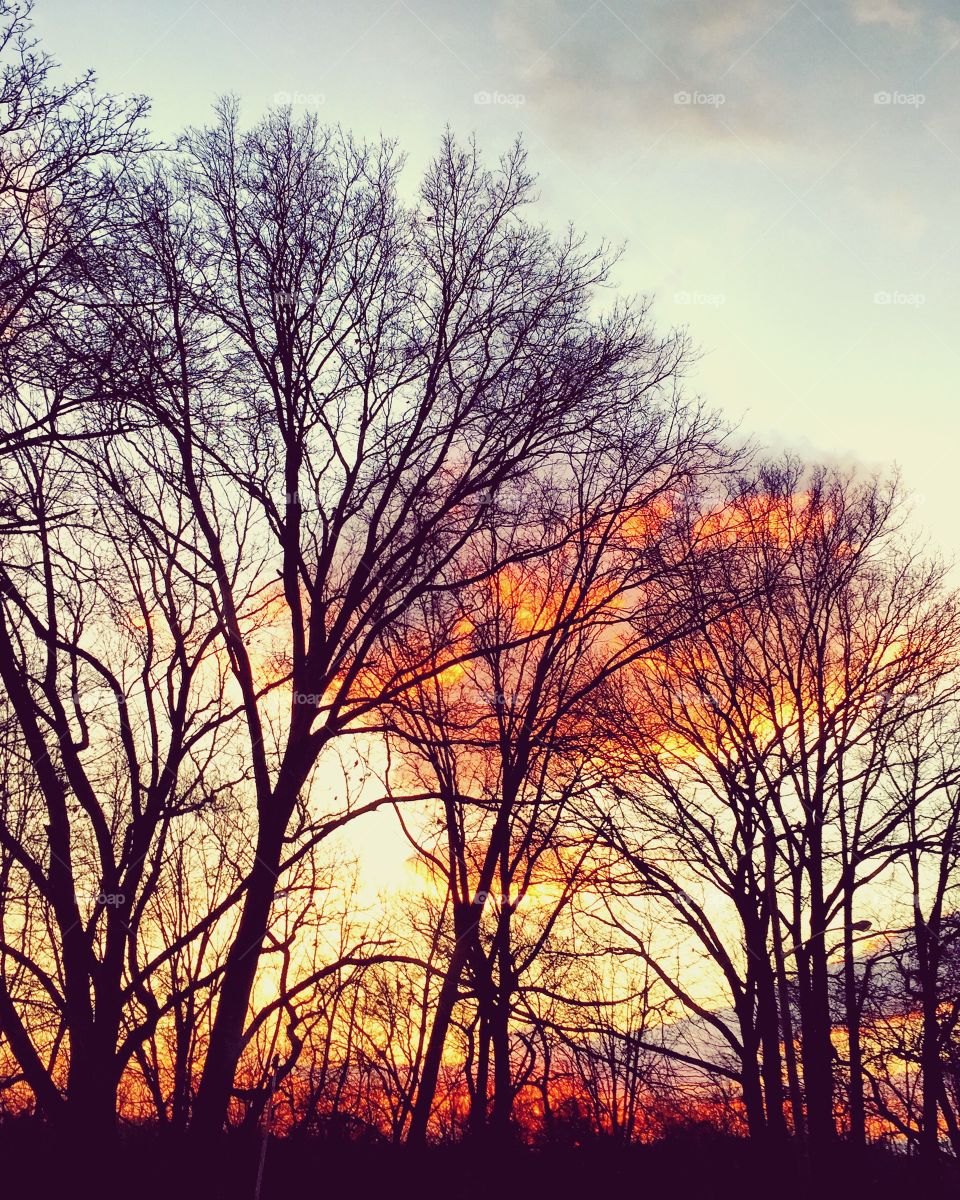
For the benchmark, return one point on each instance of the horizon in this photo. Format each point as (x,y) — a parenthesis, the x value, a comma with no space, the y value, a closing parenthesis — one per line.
(479,623)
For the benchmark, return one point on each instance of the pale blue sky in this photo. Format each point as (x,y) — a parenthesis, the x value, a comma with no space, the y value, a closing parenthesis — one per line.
(775,169)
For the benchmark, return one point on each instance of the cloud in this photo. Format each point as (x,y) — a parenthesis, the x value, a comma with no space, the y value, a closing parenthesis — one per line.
(894,211)
(665,69)
(793,77)
(885,12)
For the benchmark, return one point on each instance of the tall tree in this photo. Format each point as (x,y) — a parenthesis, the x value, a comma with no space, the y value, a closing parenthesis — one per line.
(767,742)
(332,383)
(504,732)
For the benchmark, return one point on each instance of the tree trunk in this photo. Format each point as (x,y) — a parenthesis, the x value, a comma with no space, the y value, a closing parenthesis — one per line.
(769,1024)
(502,1075)
(930,1066)
(797,1115)
(750,1081)
(851,995)
(223,1052)
(817,1048)
(466,922)
(430,1072)
(502,1072)
(478,1110)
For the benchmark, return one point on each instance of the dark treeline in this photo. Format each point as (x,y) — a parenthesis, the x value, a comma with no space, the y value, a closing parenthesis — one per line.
(318,503)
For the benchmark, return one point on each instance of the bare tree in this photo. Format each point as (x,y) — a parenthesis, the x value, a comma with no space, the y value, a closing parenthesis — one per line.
(63,150)
(766,778)
(504,729)
(926,776)
(331,384)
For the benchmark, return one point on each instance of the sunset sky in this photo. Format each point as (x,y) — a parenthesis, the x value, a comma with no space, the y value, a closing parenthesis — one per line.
(766,194)
(421,723)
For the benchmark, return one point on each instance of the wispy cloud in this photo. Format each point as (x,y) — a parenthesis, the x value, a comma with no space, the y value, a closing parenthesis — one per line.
(791,75)
(885,12)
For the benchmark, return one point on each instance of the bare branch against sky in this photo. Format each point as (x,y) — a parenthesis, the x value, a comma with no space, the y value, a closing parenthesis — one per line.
(479,647)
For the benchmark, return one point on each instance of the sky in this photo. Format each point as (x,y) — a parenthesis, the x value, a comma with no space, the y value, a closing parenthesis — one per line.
(783,175)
